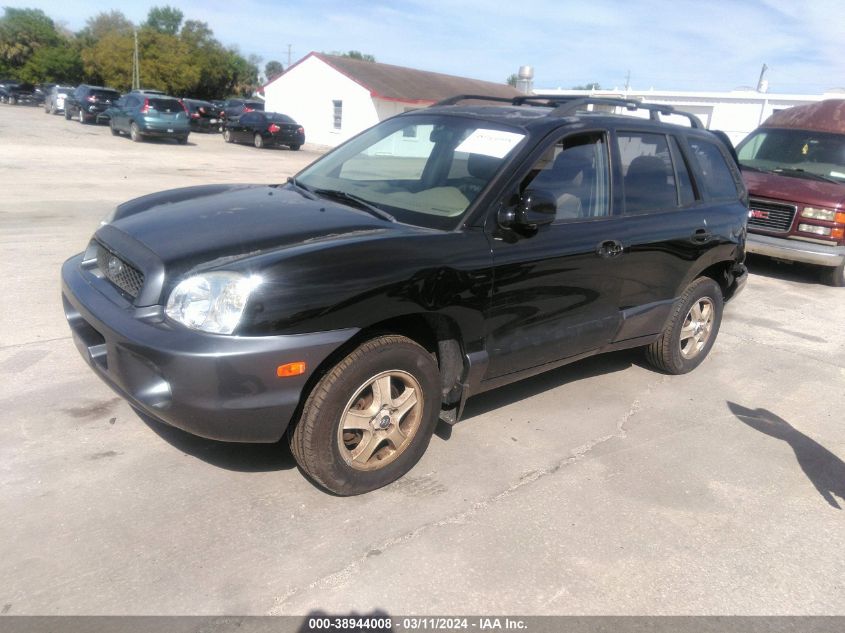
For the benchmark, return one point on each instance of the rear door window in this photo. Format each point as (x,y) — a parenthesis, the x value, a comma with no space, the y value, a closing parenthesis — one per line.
(648,172)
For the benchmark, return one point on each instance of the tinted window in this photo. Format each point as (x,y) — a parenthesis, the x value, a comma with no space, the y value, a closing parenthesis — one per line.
(251,118)
(109,95)
(717,176)
(281,118)
(574,170)
(254,105)
(165,105)
(649,178)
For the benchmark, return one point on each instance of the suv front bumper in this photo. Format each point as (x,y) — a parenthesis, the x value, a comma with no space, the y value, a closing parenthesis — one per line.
(219,387)
(795,250)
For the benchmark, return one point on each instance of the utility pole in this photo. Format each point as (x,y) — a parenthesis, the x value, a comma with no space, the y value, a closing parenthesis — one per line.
(627,82)
(288,66)
(136,66)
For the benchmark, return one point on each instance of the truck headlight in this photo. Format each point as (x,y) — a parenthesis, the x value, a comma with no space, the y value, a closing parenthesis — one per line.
(213,302)
(816,213)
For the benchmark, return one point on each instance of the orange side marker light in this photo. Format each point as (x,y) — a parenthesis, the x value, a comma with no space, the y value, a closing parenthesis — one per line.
(291,369)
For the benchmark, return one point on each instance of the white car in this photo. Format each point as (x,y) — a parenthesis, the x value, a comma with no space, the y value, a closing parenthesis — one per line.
(55,101)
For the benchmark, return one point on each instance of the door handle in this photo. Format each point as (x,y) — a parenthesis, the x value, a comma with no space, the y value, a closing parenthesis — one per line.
(610,248)
(701,236)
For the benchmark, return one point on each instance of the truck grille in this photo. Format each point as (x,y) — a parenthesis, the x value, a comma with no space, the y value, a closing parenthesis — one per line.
(770,216)
(122,274)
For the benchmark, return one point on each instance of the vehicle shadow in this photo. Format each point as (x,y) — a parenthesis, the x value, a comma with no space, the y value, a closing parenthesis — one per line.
(236,456)
(824,469)
(773,269)
(529,387)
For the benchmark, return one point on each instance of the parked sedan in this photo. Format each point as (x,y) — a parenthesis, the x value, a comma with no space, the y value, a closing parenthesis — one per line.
(204,116)
(142,115)
(55,101)
(264,129)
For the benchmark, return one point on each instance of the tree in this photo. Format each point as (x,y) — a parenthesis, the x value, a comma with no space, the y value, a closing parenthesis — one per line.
(590,86)
(511,80)
(273,69)
(57,64)
(165,19)
(364,57)
(97,27)
(22,33)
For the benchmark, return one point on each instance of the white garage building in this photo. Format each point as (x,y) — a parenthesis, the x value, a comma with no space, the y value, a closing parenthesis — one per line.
(736,112)
(335,97)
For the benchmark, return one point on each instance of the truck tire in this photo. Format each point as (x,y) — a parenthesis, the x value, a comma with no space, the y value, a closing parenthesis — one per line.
(834,275)
(370,417)
(691,331)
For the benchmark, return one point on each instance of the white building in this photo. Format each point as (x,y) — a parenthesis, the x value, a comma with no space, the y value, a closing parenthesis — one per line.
(736,113)
(335,98)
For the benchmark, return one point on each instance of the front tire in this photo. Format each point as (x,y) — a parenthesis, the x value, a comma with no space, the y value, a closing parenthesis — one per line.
(691,331)
(81,117)
(834,275)
(114,130)
(370,418)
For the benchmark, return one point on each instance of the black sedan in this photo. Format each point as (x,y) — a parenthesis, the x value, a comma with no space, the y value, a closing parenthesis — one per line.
(204,116)
(264,129)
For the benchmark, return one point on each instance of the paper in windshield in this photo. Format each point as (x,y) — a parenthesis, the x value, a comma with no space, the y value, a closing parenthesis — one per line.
(493,143)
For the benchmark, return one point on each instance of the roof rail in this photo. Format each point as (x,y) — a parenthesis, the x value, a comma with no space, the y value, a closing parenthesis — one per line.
(566,105)
(459,98)
(572,106)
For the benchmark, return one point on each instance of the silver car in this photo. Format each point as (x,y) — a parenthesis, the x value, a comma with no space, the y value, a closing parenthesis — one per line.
(55,101)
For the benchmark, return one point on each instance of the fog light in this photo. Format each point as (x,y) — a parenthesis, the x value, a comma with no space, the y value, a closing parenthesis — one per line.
(815,230)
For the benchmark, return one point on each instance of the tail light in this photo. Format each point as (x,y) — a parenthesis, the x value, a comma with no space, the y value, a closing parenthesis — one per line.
(146,107)
(91,99)
(273,128)
(300,130)
(247,109)
(195,115)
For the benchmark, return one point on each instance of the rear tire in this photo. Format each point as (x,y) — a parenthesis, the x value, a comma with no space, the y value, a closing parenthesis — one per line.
(370,418)
(182,140)
(834,275)
(258,141)
(135,133)
(227,136)
(691,331)
(81,117)
(114,130)
(67,114)
(294,148)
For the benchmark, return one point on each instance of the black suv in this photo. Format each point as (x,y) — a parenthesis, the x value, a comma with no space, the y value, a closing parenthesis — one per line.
(87,103)
(442,253)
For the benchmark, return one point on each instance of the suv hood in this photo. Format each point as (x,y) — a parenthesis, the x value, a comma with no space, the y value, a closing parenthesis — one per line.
(187,228)
(802,191)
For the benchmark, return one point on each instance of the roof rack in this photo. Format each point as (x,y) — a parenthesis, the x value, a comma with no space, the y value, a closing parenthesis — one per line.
(567,105)
(574,105)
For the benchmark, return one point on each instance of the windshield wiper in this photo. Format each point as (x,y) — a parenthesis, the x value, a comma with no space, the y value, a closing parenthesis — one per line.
(802,173)
(344,196)
(308,193)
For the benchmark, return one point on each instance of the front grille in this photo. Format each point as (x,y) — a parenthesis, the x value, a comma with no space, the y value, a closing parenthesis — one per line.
(771,216)
(121,273)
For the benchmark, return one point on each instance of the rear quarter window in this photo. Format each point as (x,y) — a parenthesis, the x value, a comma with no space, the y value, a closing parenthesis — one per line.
(713,169)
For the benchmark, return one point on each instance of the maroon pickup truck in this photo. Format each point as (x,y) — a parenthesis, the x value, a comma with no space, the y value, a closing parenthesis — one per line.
(794,168)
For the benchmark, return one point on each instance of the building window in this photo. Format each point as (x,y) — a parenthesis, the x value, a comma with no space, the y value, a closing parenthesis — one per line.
(411,130)
(338,114)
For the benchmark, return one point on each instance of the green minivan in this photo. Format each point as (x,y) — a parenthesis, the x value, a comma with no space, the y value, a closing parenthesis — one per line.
(142,115)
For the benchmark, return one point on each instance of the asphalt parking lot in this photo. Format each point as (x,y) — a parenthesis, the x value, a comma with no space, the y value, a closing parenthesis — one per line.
(598,488)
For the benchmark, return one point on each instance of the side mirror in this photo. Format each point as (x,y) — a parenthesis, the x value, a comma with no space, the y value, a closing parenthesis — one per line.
(534,208)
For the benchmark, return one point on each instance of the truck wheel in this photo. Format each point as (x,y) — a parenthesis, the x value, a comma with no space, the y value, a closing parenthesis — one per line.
(370,418)
(691,331)
(834,275)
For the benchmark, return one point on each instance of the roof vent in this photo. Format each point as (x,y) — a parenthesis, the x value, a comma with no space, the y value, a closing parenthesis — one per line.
(525,79)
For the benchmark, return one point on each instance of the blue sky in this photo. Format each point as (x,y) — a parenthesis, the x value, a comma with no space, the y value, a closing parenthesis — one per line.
(679,45)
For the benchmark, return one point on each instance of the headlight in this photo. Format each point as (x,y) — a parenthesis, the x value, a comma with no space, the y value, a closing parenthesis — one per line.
(819,214)
(213,302)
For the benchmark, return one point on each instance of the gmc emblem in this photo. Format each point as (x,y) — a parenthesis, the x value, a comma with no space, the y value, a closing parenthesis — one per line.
(757,213)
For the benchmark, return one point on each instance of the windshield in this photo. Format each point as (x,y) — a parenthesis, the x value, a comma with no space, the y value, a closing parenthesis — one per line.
(423,169)
(795,153)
